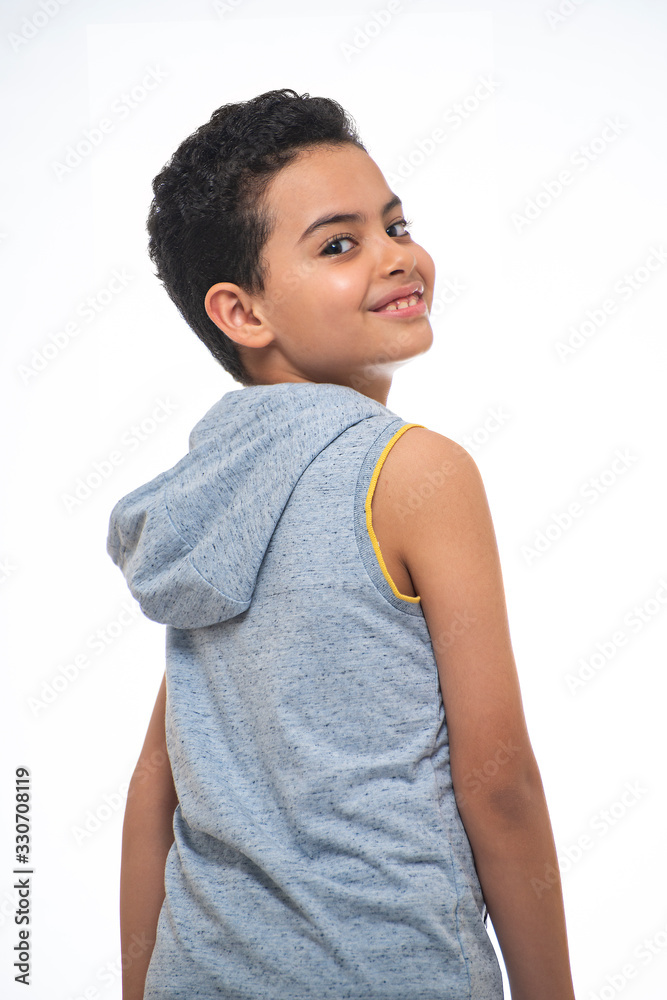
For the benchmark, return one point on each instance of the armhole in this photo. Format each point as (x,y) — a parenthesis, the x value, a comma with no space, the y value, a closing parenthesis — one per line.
(366,537)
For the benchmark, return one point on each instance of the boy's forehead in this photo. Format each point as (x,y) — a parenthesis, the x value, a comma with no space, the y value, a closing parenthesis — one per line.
(324,185)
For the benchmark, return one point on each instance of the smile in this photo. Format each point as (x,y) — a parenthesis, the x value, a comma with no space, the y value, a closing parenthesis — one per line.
(413,305)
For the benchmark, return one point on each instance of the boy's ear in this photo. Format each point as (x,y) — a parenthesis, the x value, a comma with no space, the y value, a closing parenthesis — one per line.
(230,308)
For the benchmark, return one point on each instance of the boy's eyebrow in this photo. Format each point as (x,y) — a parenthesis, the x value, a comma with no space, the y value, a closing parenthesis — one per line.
(328,220)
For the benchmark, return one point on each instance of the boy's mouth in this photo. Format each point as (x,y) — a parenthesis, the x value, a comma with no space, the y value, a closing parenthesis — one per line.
(406,297)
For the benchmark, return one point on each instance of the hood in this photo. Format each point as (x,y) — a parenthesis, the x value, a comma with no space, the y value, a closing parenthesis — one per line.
(191,541)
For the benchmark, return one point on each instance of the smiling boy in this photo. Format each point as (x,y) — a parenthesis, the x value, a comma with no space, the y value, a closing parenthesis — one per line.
(323,315)
(347,782)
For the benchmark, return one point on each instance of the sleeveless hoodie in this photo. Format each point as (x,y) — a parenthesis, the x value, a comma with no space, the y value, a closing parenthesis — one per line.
(318,852)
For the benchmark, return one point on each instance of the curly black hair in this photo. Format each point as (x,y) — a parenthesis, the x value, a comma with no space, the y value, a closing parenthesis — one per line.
(208,221)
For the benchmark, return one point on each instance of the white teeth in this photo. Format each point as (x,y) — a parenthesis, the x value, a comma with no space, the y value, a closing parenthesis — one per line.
(401,304)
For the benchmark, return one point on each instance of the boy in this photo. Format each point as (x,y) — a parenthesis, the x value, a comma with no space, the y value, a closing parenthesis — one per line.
(339,665)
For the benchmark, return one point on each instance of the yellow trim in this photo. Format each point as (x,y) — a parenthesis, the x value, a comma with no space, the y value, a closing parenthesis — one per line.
(369,519)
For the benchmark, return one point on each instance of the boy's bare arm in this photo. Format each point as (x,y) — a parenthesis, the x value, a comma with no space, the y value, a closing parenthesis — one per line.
(449,547)
(147,836)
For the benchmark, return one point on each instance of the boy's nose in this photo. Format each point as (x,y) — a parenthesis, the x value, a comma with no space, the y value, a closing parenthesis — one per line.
(394,256)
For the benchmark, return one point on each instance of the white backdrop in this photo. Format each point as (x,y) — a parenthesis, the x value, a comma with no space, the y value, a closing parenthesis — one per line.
(527,141)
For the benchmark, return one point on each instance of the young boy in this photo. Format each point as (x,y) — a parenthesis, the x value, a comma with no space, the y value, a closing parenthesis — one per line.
(345,781)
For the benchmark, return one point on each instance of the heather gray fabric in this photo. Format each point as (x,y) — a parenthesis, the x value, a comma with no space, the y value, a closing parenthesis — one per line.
(319,853)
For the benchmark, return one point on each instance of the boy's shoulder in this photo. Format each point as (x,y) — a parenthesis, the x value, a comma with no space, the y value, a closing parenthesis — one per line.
(422,460)
(424,480)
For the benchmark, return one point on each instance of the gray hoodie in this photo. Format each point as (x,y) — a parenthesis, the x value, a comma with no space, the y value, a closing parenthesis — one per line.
(318,849)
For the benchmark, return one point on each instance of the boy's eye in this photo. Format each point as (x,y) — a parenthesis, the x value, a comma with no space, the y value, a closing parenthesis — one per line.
(344,237)
(402,222)
(334,242)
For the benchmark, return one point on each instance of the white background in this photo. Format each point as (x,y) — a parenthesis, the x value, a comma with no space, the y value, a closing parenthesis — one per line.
(523,285)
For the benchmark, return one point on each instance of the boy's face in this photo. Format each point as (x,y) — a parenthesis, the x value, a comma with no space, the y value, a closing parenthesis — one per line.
(317,319)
